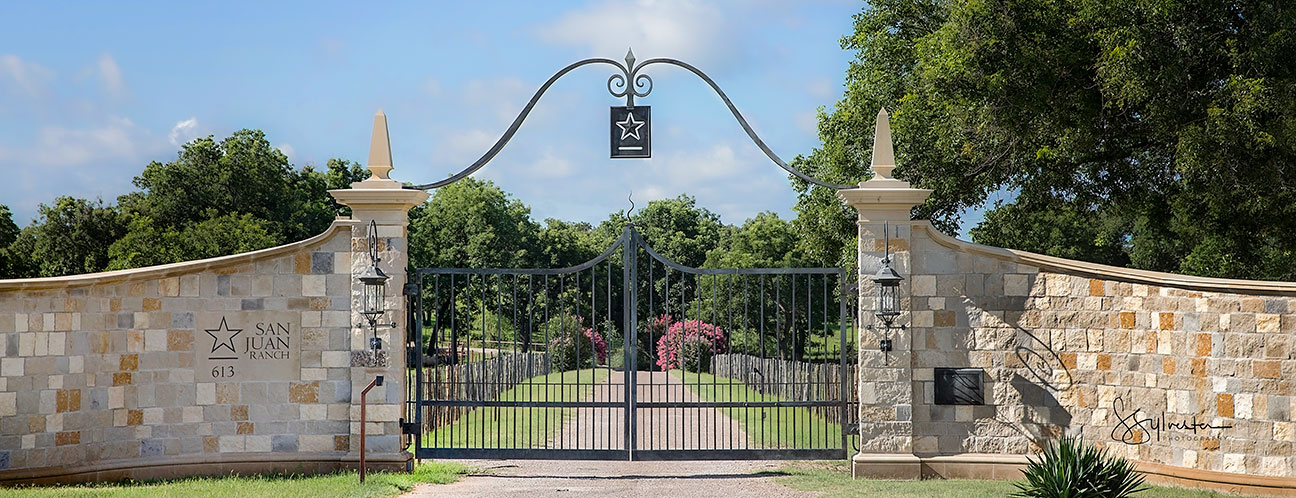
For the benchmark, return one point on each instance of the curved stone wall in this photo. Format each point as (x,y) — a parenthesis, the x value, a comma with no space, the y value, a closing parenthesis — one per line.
(234,363)
(1189,376)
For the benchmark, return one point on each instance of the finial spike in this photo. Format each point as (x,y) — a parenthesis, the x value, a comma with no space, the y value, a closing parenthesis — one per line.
(380,157)
(630,58)
(883,150)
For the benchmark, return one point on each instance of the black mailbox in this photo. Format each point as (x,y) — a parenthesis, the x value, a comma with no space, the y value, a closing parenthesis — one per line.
(959,386)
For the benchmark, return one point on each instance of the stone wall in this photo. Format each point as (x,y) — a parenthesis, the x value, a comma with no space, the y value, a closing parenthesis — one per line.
(215,364)
(1131,360)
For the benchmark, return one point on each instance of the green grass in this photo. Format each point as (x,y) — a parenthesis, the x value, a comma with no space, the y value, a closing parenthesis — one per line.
(833,479)
(782,427)
(510,427)
(823,343)
(378,484)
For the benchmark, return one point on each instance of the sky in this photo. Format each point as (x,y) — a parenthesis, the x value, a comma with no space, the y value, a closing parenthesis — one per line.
(91,94)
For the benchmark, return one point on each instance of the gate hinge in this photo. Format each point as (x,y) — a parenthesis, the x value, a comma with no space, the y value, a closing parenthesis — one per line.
(409,427)
(410,289)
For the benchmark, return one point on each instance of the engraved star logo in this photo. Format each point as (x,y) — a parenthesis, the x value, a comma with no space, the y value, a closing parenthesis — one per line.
(223,336)
(630,127)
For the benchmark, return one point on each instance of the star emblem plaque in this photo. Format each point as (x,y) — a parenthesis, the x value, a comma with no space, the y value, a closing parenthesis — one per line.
(631,132)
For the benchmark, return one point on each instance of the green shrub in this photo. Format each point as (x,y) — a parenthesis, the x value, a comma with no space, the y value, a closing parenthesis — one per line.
(1069,468)
(573,346)
(696,353)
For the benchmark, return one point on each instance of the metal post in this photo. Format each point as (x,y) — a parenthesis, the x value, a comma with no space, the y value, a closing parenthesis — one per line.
(627,248)
(376,382)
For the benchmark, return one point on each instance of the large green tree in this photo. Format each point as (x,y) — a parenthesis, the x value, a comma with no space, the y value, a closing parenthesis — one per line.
(473,224)
(69,237)
(1155,134)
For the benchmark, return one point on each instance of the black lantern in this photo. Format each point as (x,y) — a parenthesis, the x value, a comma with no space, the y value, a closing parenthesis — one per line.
(887,282)
(373,291)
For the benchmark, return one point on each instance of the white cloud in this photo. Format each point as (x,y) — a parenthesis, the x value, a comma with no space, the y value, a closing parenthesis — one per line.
(551,166)
(30,77)
(681,29)
(287,150)
(183,132)
(117,139)
(465,146)
(111,75)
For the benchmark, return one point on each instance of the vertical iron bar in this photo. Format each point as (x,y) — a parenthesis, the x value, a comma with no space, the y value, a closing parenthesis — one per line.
(549,358)
(761,320)
(418,365)
(841,278)
(627,302)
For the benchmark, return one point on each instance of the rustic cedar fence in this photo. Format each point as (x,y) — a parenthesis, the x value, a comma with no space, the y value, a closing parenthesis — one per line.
(478,381)
(793,381)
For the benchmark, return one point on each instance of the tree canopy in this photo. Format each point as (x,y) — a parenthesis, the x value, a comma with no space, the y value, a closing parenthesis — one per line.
(1153,134)
(236,195)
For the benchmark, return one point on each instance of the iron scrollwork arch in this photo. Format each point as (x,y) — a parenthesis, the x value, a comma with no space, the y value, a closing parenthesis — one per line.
(630,83)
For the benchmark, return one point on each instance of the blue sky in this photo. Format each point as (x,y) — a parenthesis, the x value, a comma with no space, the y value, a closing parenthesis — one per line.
(90,94)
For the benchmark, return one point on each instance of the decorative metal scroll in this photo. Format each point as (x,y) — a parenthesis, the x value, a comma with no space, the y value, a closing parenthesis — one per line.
(630,84)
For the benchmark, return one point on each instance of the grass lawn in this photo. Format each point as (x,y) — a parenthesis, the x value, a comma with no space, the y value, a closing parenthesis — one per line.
(824,344)
(516,427)
(782,427)
(833,479)
(343,484)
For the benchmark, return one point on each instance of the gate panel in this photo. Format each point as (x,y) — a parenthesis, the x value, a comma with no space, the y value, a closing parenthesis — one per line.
(631,357)
(752,363)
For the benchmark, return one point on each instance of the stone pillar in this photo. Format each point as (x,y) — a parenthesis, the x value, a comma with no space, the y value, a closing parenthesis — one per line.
(886,391)
(383,201)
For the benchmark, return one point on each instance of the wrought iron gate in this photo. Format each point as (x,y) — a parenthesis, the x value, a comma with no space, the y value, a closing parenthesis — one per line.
(631,358)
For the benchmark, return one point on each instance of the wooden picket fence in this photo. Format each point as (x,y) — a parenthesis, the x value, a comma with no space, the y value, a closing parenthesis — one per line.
(792,381)
(478,381)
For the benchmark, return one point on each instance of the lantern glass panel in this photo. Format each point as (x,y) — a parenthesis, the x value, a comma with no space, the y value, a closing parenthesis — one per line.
(888,299)
(373,298)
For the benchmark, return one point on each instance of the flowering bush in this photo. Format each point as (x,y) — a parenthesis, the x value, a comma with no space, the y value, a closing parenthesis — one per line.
(690,344)
(572,345)
(649,333)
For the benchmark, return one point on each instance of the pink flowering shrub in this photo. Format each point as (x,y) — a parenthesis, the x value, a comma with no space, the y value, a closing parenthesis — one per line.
(572,345)
(690,344)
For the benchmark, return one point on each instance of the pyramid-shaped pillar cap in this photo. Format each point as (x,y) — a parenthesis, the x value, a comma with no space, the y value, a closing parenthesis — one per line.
(883,149)
(380,156)
(883,198)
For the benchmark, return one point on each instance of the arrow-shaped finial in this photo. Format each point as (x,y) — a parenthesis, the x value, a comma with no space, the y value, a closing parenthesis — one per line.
(883,151)
(630,58)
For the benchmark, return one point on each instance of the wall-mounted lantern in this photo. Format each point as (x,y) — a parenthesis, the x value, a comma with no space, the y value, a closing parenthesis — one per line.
(887,281)
(373,291)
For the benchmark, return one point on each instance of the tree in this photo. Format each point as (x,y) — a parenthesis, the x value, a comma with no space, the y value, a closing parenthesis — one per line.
(1155,134)
(241,174)
(765,241)
(678,229)
(472,224)
(564,244)
(70,237)
(12,264)
(146,244)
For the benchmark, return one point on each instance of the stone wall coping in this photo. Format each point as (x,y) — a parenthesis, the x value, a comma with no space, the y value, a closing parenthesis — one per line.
(1106,272)
(173,269)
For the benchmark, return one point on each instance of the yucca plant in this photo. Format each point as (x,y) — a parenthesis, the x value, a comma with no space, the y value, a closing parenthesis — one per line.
(1069,468)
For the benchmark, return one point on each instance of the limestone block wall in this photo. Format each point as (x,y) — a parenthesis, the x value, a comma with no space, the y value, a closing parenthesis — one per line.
(1188,372)
(220,362)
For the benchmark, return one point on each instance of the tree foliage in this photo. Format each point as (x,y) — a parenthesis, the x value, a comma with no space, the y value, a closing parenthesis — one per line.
(217,198)
(473,224)
(1154,134)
